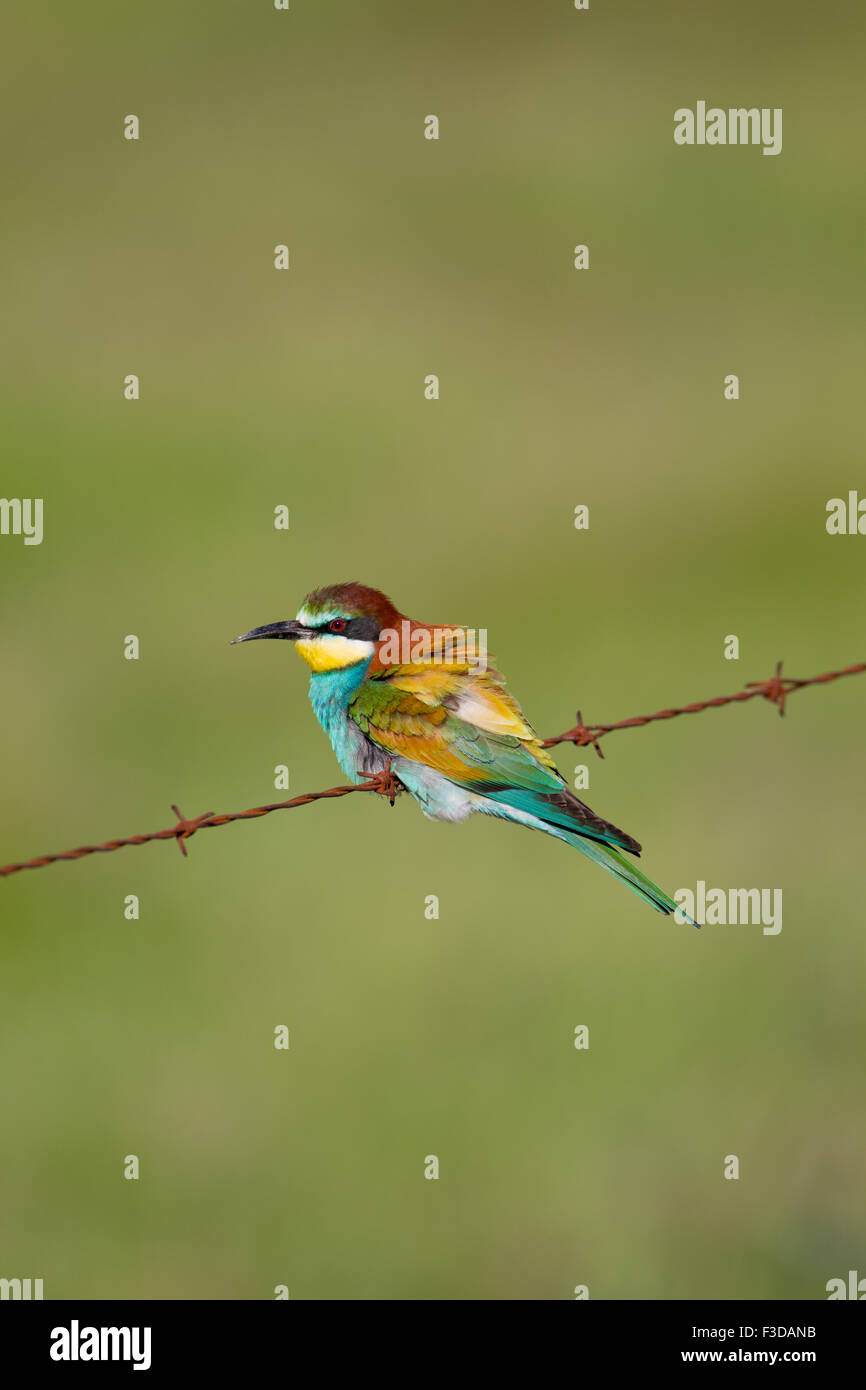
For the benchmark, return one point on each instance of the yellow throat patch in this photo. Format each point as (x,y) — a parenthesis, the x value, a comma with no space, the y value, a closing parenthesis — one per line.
(333,653)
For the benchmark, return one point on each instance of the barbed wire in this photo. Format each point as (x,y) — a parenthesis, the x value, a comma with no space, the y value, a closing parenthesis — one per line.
(776,690)
(386,783)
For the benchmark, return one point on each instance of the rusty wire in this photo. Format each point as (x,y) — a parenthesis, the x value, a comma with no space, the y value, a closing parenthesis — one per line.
(776,690)
(385,783)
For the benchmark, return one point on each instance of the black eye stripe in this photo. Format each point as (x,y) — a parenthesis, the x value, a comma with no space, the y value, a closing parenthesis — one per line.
(363,629)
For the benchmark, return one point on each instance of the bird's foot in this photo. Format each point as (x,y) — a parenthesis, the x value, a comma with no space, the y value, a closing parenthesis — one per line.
(385,782)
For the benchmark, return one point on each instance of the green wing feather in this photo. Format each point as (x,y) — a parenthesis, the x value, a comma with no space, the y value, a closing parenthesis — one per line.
(512,770)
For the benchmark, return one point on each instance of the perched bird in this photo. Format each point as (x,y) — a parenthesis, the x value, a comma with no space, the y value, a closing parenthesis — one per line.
(389,691)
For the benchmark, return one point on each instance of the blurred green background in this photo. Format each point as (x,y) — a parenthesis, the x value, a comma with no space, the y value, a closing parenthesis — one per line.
(408,257)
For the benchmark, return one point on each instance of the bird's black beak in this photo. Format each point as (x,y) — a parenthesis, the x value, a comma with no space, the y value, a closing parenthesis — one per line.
(289,631)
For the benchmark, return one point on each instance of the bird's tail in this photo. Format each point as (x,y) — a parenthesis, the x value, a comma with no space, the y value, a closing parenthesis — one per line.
(627,873)
(549,815)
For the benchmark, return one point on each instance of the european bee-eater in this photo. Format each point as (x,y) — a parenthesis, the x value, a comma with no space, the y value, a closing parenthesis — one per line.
(391,691)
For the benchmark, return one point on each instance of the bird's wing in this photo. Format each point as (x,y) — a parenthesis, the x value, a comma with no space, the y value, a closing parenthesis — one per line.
(463,723)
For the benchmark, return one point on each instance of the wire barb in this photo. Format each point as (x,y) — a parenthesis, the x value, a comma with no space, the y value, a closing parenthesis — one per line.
(386,783)
(584,735)
(776,689)
(185,828)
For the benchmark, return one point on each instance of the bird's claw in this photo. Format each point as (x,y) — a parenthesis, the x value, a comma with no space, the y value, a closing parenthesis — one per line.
(384,782)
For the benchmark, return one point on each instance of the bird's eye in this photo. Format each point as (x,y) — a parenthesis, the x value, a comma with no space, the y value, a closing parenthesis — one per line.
(337,625)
